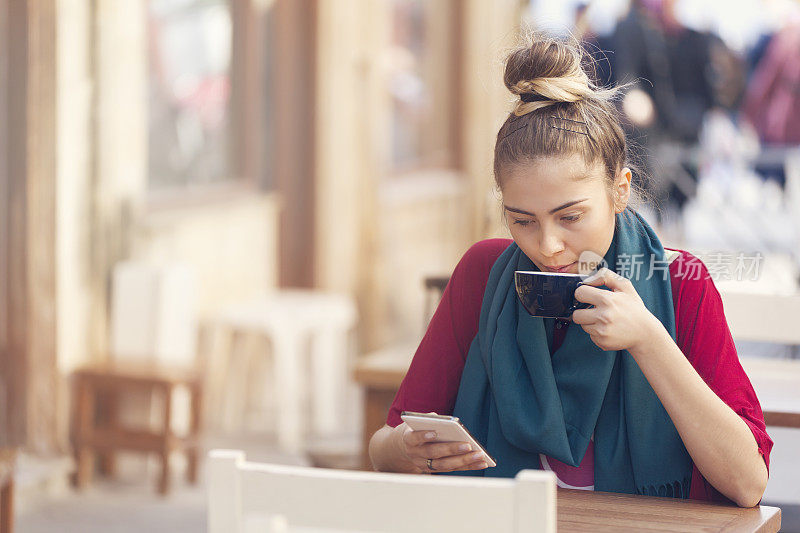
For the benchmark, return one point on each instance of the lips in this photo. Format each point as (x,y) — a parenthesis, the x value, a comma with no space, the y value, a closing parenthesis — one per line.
(563,268)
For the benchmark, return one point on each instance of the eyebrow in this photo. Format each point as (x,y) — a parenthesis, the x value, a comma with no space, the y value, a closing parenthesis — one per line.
(552,211)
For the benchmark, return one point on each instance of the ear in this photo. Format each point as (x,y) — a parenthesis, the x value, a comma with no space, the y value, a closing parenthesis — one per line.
(622,190)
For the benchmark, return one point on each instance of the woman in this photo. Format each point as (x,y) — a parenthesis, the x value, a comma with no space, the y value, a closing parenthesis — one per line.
(641,393)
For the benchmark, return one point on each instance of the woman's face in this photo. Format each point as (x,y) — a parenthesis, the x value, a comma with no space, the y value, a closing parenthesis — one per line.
(557,208)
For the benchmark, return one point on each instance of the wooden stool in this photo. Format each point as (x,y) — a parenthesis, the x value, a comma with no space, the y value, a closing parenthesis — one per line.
(114,379)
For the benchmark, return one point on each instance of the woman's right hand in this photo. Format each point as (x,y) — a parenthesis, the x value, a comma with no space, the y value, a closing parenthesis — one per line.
(419,446)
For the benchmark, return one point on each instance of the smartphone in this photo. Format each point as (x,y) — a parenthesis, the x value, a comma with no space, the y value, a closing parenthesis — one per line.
(447,428)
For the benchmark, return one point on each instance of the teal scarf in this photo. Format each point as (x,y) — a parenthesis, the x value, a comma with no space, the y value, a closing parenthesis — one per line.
(519,401)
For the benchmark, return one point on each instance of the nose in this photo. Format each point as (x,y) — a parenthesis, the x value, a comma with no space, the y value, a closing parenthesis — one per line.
(551,244)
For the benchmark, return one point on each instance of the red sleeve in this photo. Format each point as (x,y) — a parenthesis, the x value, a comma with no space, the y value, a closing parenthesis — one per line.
(432,380)
(703,336)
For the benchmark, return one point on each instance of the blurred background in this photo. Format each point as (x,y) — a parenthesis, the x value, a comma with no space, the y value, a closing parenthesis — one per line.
(225,223)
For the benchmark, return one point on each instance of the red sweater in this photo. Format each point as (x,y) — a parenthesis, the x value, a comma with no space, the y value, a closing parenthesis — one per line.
(702,334)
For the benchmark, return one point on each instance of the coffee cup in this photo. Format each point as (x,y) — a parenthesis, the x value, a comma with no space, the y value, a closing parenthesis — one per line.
(549,294)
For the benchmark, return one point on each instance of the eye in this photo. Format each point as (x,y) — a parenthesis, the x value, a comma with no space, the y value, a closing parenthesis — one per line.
(571,218)
(522,222)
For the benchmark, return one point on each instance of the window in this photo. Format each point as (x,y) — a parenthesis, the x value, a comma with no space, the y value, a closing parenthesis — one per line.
(423,81)
(189,93)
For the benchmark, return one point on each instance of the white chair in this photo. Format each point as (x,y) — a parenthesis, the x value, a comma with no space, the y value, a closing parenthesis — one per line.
(755,317)
(244,496)
(772,318)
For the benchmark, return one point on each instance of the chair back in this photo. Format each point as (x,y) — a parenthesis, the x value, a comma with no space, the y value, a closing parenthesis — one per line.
(244,496)
(763,317)
(768,318)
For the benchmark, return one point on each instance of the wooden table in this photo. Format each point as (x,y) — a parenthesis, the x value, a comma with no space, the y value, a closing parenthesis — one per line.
(380,373)
(582,511)
(7,458)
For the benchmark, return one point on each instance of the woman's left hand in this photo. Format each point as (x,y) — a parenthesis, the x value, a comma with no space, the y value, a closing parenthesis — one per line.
(619,319)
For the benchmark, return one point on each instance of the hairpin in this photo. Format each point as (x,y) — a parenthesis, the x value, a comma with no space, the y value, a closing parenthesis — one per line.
(567,124)
(517,123)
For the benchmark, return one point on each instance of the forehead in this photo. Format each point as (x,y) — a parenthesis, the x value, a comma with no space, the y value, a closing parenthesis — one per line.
(546,180)
(560,169)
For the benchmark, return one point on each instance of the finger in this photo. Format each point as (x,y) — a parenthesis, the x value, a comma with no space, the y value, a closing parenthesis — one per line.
(585,316)
(610,279)
(480,465)
(437,450)
(417,438)
(455,462)
(598,337)
(591,329)
(591,295)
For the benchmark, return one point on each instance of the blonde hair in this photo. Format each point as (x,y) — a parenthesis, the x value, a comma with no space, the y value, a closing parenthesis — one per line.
(561,111)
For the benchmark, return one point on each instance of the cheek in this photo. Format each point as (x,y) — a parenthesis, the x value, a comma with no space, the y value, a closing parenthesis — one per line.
(599,239)
(520,235)
(525,238)
(591,233)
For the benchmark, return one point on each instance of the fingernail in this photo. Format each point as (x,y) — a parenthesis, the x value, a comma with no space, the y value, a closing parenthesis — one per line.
(477,455)
(464,448)
(430,435)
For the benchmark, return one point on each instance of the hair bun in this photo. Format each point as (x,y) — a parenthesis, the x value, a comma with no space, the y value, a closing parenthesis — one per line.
(548,68)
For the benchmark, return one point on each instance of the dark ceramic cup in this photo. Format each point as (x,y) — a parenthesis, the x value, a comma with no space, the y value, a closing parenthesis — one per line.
(548,294)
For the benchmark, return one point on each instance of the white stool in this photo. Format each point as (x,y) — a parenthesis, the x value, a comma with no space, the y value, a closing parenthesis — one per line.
(290,318)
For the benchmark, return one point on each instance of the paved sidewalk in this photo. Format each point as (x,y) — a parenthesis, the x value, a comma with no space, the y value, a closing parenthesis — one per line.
(130,503)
